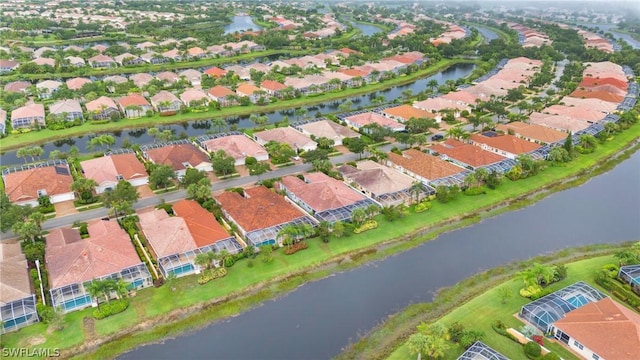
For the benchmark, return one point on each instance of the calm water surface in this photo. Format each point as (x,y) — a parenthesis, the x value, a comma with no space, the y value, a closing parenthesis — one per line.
(319,319)
(241,23)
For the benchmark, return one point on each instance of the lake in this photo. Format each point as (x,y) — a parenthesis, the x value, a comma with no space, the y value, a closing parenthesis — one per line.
(240,23)
(319,319)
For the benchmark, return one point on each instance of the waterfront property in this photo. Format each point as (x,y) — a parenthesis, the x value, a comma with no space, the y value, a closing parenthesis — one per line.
(481,351)
(403,113)
(382,183)
(17,299)
(600,330)
(359,120)
(506,145)
(236,145)
(28,116)
(108,170)
(25,184)
(287,135)
(324,197)
(464,154)
(631,275)
(134,106)
(166,102)
(176,240)
(102,108)
(327,129)
(535,133)
(424,167)
(68,110)
(260,214)
(180,155)
(73,263)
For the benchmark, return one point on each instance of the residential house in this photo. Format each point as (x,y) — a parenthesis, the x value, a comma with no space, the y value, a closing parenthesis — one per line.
(358,121)
(531,132)
(17,86)
(69,109)
(100,48)
(28,116)
(381,183)
(600,330)
(215,72)
(77,83)
(168,76)
(272,88)
(191,97)
(505,145)
(323,197)
(8,65)
(224,96)
(248,90)
(141,79)
(405,112)
(3,121)
(108,170)
(238,146)
(75,61)
(287,135)
(421,166)
(260,214)
(73,263)
(481,351)
(128,59)
(44,62)
(153,58)
(440,105)
(73,49)
(47,87)
(134,106)
(173,54)
(194,77)
(166,103)
(196,53)
(465,154)
(175,241)
(17,299)
(25,185)
(145,45)
(180,156)
(327,129)
(102,61)
(102,108)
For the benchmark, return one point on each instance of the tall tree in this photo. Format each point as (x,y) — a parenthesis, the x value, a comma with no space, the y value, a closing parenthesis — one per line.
(161,176)
(84,188)
(222,163)
(121,198)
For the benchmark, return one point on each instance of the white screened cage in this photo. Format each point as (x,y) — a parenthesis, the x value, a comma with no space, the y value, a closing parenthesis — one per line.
(481,351)
(269,236)
(183,264)
(343,213)
(631,275)
(76,296)
(543,312)
(18,313)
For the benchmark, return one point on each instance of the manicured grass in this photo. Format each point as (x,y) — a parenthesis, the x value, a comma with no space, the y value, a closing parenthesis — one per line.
(117,322)
(14,141)
(486,309)
(38,334)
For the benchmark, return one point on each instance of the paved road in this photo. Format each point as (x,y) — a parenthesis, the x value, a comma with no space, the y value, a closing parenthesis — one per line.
(181,194)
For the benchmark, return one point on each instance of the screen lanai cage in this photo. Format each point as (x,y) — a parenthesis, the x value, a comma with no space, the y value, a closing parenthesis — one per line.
(76,296)
(18,313)
(342,213)
(545,311)
(481,351)
(631,275)
(182,264)
(269,236)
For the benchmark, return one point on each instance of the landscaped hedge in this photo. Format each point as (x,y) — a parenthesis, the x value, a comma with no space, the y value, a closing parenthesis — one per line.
(479,190)
(422,206)
(296,247)
(621,291)
(214,274)
(112,308)
(368,225)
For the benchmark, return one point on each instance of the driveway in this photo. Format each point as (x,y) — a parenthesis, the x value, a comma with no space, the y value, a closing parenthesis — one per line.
(65,208)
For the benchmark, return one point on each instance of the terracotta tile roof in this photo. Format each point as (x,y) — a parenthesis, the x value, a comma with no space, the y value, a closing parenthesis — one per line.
(329,130)
(177,155)
(605,327)
(533,131)
(49,85)
(466,153)
(575,112)
(190,95)
(595,81)
(204,228)
(376,178)
(15,281)
(260,209)
(31,110)
(133,100)
(17,86)
(237,146)
(97,104)
(602,95)
(141,79)
(286,135)
(508,143)
(215,72)
(245,89)
(321,192)
(559,122)
(166,234)
(439,104)
(77,83)
(23,185)
(107,168)
(272,85)
(594,104)
(65,106)
(407,112)
(353,72)
(101,58)
(117,79)
(195,51)
(71,260)
(164,95)
(371,117)
(424,165)
(168,76)
(220,92)
(44,61)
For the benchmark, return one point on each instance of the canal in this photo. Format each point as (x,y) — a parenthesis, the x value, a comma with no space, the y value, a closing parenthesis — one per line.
(196,128)
(319,319)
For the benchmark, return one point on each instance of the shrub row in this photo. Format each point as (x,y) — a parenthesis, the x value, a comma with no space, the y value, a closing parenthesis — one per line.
(422,206)
(368,225)
(622,292)
(213,274)
(478,190)
(296,247)
(112,308)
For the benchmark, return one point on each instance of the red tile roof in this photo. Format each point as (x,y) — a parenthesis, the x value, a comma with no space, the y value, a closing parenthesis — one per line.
(202,225)
(23,186)
(508,143)
(246,89)
(353,72)
(260,209)
(595,81)
(321,192)
(133,100)
(407,112)
(107,168)
(220,92)
(14,282)
(177,155)
(72,260)
(605,327)
(533,131)
(427,166)
(215,72)
(272,85)
(466,153)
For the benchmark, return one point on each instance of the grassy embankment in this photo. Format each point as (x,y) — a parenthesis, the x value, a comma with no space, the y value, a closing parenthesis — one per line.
(157,313)
(484,310)
(14,141)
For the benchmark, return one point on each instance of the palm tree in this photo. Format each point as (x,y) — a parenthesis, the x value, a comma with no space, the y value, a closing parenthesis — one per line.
(220,123)
(202,260)
(417,188)
(358,216)
(433,84)
(372,210)
(95,289)
(23,153)
(287,235)
(121,288)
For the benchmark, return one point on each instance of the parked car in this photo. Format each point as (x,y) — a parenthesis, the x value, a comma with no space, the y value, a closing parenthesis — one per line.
(437,137)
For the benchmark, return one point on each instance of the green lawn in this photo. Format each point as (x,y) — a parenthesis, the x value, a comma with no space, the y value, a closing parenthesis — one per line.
(14,141)
(482,311)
